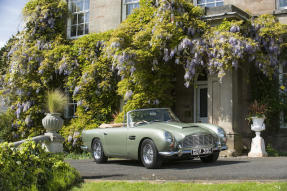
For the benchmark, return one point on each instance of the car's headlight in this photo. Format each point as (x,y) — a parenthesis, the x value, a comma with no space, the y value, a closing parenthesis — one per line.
(221,133)
(168,137)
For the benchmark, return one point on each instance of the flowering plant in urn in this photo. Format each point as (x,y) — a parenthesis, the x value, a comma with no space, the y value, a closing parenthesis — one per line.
(257,112)
(257,115)
(56,103)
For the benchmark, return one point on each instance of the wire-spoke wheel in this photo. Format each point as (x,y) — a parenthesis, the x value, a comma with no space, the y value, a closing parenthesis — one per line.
(149,154)
(98,152)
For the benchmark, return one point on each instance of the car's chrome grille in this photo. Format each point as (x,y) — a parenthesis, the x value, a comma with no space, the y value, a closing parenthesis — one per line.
(198,140)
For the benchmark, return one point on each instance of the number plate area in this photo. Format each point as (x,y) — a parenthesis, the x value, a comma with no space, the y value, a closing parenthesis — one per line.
(201,151)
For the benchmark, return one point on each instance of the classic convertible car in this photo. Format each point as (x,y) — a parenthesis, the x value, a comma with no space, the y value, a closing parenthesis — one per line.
(153,134)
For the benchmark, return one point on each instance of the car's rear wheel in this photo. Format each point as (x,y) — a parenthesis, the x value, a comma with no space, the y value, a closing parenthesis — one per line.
(149,155)
(210,158)
(98,152)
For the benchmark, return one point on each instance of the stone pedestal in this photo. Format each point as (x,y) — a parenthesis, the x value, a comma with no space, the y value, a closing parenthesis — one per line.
(257,147)
(55,145)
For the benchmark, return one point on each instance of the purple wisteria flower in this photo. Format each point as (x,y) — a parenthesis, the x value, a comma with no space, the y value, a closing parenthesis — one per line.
(63,67)
(41,71)
(132,70)
(76,90)
(115,44)
(155,62)
(187,76)
(75,142)
(76,134)
(79,103)
(156,102)
(27,106)
(128,94)
(166,56)
(18,112)
(173,52)
(28,120)
(186,43)
(187,84)
(70,138)
(234,29)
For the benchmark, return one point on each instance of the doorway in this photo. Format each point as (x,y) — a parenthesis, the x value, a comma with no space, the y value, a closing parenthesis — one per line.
(201,101)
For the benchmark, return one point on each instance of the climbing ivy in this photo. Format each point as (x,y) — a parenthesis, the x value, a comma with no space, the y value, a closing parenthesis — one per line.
(146,48)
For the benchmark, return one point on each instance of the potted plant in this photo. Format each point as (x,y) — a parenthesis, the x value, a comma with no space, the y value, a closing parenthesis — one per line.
(257,115)
(56,103)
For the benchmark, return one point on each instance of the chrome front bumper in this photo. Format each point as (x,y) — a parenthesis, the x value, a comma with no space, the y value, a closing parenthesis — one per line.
(180,152)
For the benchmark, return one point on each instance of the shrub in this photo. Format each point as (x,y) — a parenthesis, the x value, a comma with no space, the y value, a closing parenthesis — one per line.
(30,167)
(57,101)
(6,120)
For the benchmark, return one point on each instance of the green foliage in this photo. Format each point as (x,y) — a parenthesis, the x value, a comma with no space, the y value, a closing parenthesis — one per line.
(39,59)
(273,152)
(267,91)
(137,49)
(23,79)
(45,19)
(6,120)
(84,155)
(57,101)
(93,86)
(30,167)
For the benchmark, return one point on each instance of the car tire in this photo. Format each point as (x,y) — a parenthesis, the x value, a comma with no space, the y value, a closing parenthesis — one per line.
(210,158)
(149,155)
(98,152)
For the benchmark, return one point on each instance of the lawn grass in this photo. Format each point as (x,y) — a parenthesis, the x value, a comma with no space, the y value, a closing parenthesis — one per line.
(175,186)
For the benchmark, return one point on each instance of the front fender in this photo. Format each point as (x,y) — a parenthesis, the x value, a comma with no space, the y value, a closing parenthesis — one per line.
(89,135)
(156,135)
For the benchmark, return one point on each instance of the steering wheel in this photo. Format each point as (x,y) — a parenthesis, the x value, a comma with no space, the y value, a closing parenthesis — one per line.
(140,122)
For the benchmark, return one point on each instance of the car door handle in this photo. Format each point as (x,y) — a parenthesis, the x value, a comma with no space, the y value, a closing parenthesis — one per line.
(105,133)
(132,137)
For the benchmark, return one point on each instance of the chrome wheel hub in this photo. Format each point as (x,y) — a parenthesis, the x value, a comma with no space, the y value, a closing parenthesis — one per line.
(148,154)
(97,150)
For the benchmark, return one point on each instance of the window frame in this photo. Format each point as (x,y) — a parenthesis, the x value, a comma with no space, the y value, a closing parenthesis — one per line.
(202,5)
(124,7)
(85,23)
(278,5)
(281,82)
(67,111)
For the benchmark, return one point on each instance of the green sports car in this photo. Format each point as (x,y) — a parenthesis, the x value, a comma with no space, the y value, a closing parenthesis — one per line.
(150,135)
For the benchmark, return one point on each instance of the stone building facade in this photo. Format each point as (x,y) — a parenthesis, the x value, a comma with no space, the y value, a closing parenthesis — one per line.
(225,102)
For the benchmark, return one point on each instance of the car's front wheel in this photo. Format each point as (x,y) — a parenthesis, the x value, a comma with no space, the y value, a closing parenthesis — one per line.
(210,158)
(149,155)
(98,152)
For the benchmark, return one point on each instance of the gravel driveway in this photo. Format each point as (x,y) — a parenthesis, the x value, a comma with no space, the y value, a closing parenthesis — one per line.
(228,169)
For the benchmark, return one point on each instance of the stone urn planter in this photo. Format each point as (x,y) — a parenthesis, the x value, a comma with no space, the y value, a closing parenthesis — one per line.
(56,103)
(257,144)
(52,122)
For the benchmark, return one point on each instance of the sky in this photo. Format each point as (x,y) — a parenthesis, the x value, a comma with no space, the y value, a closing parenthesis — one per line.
(10,18)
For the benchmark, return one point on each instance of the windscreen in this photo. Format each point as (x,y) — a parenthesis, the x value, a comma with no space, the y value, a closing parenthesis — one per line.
(144,116)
